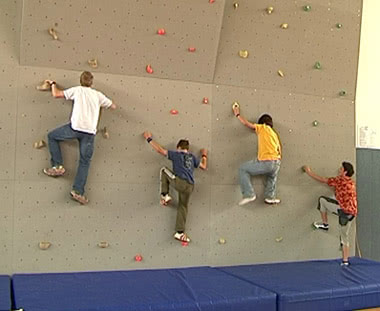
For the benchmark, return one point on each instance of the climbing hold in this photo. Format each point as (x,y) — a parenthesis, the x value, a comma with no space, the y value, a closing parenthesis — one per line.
(161,31)
(149,69)
(205,100)
(280,73)
(307,8)
(184,243)
(105,133)
(290,130)
(39,144)
(279,239)
(284,26)
(315,123)
(317,65)
(138,257)
(222,241)
(103,244)
(173,111)
(304,168)
(243,53)
(235,105)
(44,245)
(211,1)
(93,63)
(44,86)
(338,25)
(236,5)
(53,33)
(342,93)
(191,49)
(269,9)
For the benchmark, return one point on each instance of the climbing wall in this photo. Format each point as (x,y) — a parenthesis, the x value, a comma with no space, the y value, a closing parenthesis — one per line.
(304,74)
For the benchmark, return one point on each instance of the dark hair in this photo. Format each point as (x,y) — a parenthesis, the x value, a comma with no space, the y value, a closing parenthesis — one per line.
(86,78)
(266,119)
(348,168)
(183,144)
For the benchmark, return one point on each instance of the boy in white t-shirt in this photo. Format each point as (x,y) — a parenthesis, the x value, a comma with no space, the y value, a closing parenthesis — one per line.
(82,126)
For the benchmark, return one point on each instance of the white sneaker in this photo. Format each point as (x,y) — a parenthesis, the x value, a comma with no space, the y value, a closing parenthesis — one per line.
(165,199)
(272,201)
(247,200)
(181,237)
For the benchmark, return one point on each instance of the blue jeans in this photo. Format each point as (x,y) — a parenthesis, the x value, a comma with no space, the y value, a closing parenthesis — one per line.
(256,167)
(86,150)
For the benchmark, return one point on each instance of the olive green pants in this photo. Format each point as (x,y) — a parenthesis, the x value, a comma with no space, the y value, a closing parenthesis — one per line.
(184,189)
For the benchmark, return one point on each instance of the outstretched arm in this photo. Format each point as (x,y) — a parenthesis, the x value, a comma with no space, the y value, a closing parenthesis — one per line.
(156,146)
(203,164)
(55,91)
(308,171)
(243,120)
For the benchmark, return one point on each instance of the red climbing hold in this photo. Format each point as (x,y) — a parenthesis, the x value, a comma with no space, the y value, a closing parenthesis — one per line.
(138,258)
(205,100)
(161,31)
(211,1)
(191,49)
(173,111)
(184,243)
(149,69)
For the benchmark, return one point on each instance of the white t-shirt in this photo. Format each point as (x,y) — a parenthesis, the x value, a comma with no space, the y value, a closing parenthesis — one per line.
(86,108)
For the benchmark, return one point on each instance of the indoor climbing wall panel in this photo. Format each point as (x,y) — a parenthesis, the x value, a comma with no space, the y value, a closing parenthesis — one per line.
(327,33)
(315,123)
(122,36)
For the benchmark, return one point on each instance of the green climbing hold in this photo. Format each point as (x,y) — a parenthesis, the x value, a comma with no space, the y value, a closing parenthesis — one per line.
(315,123)
(317,65)
(342,93)
(307,8)
(339,25)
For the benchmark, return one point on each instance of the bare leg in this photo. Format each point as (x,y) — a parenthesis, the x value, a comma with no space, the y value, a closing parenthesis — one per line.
(345,252)
(324,217)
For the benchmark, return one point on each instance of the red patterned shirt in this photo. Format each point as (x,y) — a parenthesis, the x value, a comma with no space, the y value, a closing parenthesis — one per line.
(345,193)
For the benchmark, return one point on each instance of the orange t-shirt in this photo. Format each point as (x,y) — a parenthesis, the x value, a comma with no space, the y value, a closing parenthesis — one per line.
(268,142)
(345,193)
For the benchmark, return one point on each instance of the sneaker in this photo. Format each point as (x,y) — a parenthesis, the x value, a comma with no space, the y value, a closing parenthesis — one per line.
(181,237)
(76,196)
(165,199)
(345,263)
(319,225)
(247,200)
(272,201)
(55,171)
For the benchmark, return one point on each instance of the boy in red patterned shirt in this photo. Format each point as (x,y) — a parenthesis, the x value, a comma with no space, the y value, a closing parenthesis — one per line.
(344,204)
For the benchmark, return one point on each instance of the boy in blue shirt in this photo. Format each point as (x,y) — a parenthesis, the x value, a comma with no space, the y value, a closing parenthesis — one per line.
(182,178)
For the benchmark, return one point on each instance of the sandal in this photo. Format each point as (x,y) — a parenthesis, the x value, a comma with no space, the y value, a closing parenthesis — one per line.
(54,171)
(181,237)
(78,197)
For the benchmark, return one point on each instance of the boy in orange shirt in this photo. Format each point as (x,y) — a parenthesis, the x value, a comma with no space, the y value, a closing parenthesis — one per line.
(268,160)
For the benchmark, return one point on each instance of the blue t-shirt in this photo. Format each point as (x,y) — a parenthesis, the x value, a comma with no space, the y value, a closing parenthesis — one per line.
(183,164)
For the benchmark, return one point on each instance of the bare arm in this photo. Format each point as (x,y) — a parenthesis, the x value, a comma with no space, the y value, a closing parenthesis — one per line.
(308,171)
(243,120)
(203,164)
(156,146)
(55,91)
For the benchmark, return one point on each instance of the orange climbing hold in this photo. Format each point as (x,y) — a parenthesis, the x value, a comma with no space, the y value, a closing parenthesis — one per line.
(192,49)
(205,100)
(211,1)
(184,243)
(149,69)
(161,31)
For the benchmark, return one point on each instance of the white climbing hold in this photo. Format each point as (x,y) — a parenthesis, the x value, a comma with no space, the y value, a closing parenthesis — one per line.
(93,63)
(103,244)
(53,33)
(44,245)
(279,239)
(39,144)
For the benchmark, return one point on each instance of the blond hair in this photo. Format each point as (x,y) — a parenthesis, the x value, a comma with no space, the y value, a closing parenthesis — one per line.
(86,78)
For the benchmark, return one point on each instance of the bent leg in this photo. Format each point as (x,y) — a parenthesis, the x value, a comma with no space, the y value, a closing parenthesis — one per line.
(55,136)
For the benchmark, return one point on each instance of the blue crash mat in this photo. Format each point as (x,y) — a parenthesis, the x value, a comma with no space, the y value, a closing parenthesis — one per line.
(191,289)
(316,285)
(5,293)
